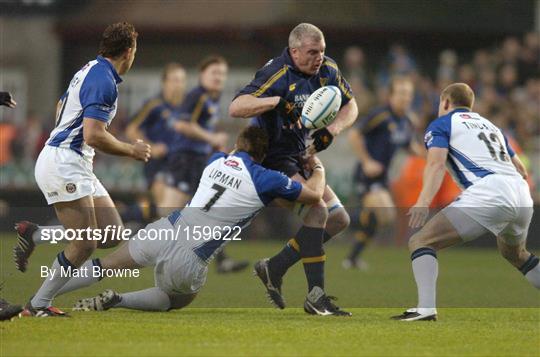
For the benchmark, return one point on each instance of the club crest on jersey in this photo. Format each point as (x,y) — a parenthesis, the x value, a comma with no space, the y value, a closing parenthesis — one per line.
(71,187)
(292,87)
(233,165)
(323,81)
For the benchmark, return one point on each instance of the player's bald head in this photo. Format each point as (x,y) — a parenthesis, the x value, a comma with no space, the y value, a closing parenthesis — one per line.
(458,95)
(303,32)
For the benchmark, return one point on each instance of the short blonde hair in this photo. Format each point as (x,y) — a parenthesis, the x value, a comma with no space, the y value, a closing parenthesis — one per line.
(303,31)
(459,95)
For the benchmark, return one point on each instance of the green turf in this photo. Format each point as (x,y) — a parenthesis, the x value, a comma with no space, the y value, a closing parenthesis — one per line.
(488,308)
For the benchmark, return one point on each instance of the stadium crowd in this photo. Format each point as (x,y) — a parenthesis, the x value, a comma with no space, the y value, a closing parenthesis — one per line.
(505,78)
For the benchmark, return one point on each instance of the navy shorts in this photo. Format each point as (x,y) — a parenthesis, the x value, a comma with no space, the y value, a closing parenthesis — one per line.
(155,169)
(185,170)
(363,184)
(289,165)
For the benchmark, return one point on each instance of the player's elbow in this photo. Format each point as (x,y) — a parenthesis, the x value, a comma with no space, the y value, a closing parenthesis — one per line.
(92,137)
(235,109)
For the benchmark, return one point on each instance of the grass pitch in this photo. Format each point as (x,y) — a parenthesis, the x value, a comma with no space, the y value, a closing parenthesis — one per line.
(487,308)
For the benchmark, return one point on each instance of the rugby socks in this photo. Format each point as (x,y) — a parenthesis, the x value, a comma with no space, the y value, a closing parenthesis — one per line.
(367,226)
(89,273)
(425,268)
(153,299)
(37,235)
(310,242)
(531,270)
(288,256)
(56,278)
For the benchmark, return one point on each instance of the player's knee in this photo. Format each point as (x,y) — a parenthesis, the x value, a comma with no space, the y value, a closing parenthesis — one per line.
(420,240)
(179,301)
(317,215)
(338,220)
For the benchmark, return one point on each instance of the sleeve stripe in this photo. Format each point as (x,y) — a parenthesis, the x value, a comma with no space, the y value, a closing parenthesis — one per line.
(376,120)
(197,111)
(270,81)
(143,113)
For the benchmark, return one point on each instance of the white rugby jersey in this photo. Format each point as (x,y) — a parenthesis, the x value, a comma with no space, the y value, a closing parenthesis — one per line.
(92,93)
(476,147)
(232,191)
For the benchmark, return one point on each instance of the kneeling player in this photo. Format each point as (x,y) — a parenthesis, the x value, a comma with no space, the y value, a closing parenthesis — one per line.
(232,190)
(496,198)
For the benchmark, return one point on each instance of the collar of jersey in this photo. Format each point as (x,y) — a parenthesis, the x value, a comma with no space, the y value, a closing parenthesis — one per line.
(289,62)
(460,109)
(102,59)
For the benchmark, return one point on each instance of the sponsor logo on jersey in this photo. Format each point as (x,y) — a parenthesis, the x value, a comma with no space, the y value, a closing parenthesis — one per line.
(71,187)
(52,194)
(466,116)
(292,87)
(428,138)
(233,164)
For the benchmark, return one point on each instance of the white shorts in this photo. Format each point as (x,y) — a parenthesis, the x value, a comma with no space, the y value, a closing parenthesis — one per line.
(177,269)
(500,204)
(63,175)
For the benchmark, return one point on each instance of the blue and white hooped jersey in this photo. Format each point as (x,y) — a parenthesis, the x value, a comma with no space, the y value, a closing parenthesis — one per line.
(232,191)
(92,93)
(476,147)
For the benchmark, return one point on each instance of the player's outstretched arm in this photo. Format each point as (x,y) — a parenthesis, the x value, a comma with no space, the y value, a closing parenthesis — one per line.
(520,167)
(96,135)
(371,167)
(313,190)
(432,180)
(247,106)
(195,131)
(345,118)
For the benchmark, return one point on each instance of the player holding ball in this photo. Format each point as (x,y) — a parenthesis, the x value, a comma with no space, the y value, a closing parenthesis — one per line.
(275,98)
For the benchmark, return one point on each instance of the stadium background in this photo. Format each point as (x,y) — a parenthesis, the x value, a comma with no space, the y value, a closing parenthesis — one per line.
(494,48)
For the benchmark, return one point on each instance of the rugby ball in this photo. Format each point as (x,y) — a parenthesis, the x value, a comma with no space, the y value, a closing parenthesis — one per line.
(321,108)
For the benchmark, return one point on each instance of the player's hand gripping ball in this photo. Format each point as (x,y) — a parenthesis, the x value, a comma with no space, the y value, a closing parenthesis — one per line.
(289,112)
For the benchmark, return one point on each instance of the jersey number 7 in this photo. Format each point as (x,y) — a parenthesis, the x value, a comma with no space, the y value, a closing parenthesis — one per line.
(219,191)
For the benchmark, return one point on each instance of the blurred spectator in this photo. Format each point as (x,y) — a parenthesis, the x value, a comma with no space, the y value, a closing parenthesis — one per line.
(447,66)
(355,71)
(8,133)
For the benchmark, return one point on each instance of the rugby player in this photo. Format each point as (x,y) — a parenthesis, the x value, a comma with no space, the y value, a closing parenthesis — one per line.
(232,190)
(151,123)
(375,140)
(275,98)
(196,138)
(64,167)
(496,197)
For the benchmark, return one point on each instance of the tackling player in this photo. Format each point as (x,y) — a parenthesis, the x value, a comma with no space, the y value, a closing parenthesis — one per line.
(375,141)
(231,192)
(496,197)
(275,98)
(196,138)
(64,167)
(151,124)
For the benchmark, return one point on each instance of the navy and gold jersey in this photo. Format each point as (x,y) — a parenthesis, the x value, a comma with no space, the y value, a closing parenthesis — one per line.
(384,133)
(280,77)
(201,108)
(153,120)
